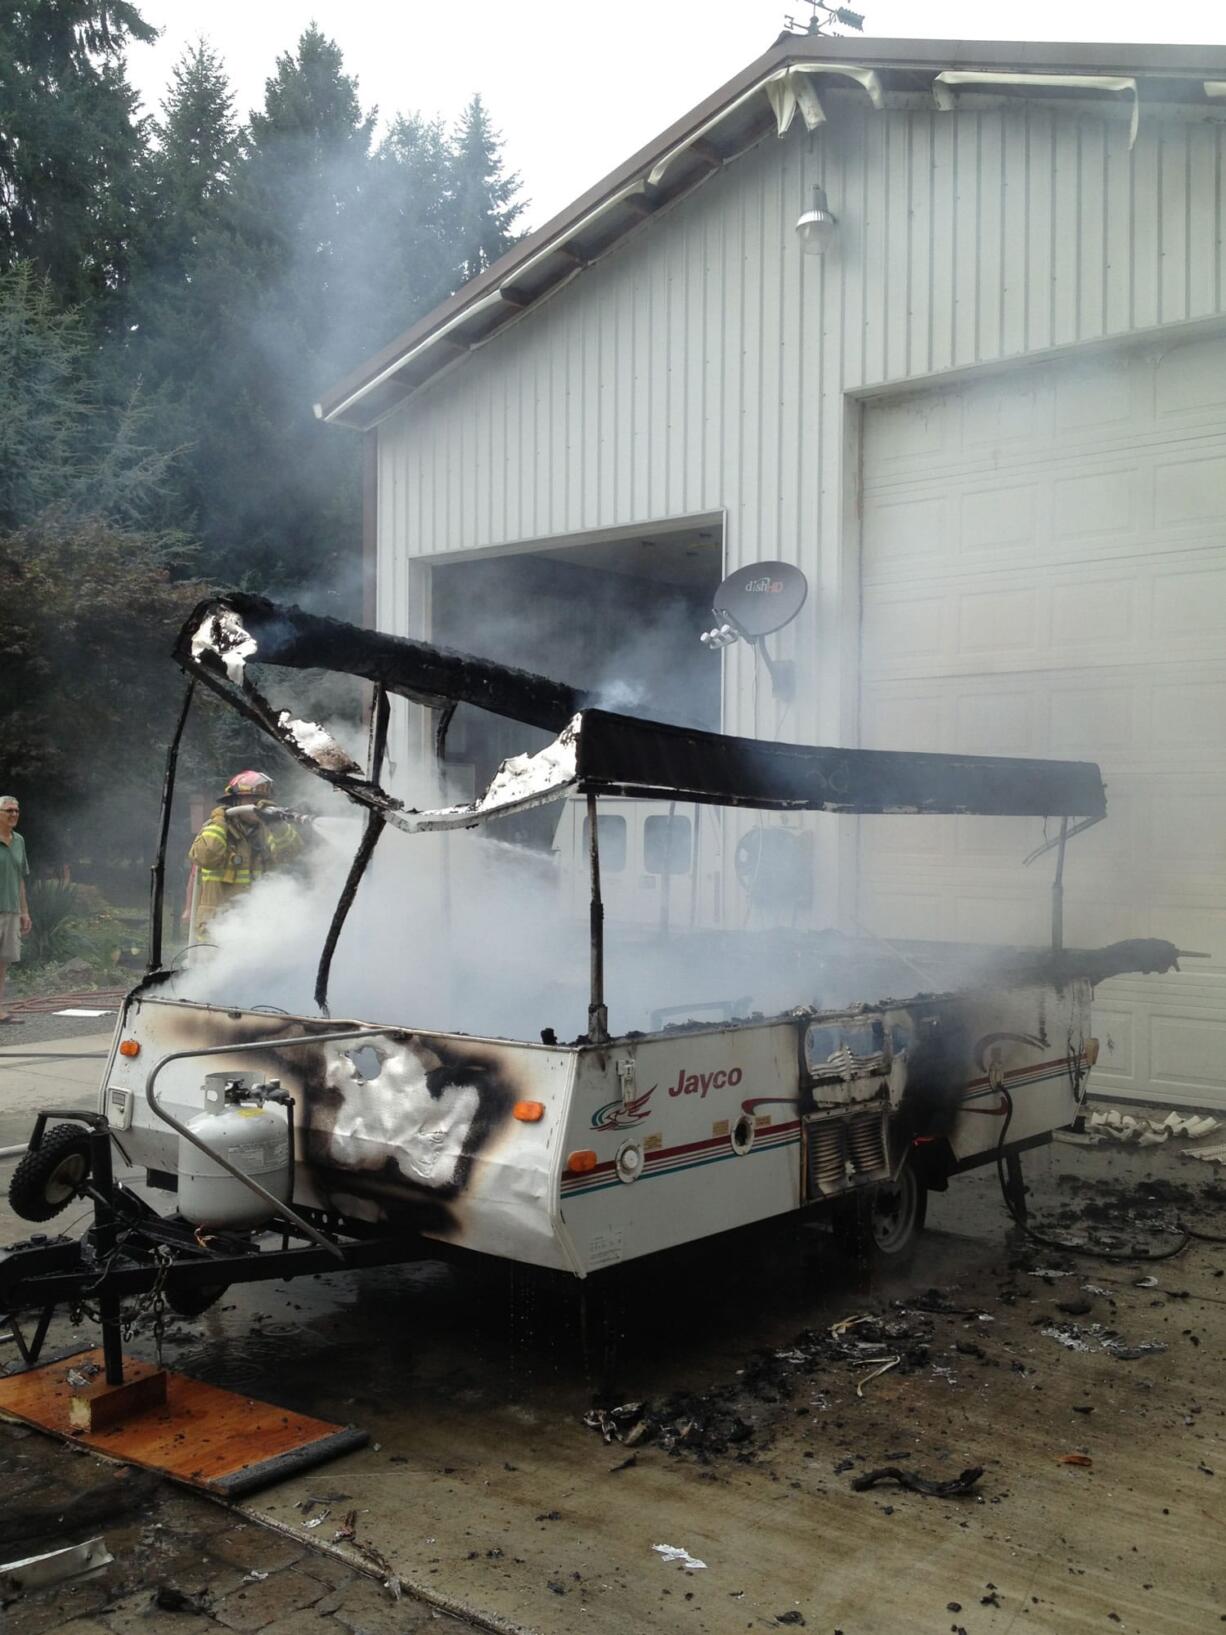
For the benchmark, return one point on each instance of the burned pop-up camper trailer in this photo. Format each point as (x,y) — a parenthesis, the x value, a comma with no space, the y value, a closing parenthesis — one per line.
(305,1143)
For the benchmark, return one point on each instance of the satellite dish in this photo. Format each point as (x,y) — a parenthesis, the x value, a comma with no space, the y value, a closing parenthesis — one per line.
(761,598)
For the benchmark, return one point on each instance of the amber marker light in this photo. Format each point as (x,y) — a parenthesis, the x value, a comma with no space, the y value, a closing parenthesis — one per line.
(579,1163)
(129,1047)
(529,1112)
(1090,1049)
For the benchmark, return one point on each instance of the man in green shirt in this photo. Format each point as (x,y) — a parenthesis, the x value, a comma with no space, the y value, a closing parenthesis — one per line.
(14,909)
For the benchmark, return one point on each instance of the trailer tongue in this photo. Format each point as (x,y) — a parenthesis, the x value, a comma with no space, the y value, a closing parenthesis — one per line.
(302,1143)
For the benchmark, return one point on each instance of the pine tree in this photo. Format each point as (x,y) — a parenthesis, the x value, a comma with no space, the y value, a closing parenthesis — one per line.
(175,311)
(486,206)
(282,272)
(65,449)
(412,249)
(88,563)
(190,182)
(306,157)
(43,396)
(197,139)
(70,143)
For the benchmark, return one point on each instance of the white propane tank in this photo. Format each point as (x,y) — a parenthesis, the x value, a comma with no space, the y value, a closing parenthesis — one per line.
(254,1137)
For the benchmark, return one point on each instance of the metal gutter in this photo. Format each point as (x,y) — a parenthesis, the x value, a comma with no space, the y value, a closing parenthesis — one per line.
(484,304)
(780,78)
(786,91)
(950,80)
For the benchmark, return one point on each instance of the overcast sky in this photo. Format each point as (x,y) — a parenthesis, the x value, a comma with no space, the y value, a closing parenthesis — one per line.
(575,88)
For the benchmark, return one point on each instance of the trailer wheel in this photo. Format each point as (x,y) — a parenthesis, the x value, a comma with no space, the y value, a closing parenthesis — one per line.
(192,1302)
(883,1223)
(48,1178)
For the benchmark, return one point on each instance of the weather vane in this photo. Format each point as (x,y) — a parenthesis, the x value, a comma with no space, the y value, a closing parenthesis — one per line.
(824,17)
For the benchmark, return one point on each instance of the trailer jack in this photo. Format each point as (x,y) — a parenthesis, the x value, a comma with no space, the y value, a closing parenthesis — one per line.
(222,1442)
(130,1252)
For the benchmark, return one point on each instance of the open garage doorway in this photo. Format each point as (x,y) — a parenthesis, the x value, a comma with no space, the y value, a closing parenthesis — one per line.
(619,617)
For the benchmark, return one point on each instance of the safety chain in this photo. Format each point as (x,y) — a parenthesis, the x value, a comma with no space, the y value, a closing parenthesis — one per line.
(153,1302)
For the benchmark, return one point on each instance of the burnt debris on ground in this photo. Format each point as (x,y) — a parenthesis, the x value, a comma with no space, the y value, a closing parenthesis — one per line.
(738,1417)
(936,1332)
(953,1487)
(1153,1201)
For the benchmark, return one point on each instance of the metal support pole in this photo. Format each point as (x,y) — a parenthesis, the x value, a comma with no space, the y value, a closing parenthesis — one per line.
(781,671)
(1016,1183)
(1057,892)
(375,824)
(157,883)
(103,1178)
(597,1012)
(666,879)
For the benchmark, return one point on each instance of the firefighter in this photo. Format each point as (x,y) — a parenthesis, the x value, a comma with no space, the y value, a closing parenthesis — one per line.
(237,845)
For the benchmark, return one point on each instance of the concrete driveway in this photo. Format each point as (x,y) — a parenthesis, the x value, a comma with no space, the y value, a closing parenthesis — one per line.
(487,1494)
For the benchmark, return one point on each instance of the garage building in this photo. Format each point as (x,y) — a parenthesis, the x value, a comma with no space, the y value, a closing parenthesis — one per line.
(988,423)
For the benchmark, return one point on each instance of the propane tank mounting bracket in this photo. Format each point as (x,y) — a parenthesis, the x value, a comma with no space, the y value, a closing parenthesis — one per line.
(279,1207)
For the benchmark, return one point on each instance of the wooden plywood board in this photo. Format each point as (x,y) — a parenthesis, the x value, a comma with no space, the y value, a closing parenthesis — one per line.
(206,1437)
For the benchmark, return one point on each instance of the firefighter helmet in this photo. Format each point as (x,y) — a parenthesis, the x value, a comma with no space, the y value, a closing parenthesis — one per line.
(249,783)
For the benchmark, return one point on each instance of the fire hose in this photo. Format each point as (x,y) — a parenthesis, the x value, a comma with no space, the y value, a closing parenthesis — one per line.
(279,814)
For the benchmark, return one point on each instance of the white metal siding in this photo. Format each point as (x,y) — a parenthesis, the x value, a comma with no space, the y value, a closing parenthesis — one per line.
(704,364)
(1044,573)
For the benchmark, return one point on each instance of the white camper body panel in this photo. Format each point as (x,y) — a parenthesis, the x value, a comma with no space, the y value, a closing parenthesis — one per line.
(639,1145)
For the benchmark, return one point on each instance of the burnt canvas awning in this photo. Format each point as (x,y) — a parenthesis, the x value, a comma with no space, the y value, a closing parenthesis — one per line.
(619,755)
(597,751)
(226,633)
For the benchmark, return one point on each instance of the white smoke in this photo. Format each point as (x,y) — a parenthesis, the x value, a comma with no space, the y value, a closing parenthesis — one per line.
(460,933)
(452,933)
(463,933)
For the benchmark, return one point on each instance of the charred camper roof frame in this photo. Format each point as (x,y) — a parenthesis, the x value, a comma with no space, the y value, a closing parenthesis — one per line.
(596,752)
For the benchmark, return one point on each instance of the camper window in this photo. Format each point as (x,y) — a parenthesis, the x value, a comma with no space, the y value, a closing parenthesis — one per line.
(666,845)
(611,833)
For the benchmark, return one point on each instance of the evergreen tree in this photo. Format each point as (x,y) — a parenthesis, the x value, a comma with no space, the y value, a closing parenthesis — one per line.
(277,495)
(275,262)
(486,207)
(90,567)
(186,279)
(305,164)
(43,396)
(197,144)
(65,448)
(174,294)
(413,251)
(70,143)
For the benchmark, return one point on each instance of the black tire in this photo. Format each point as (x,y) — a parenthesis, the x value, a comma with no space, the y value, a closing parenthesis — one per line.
(192,1302)
(50,1177)
(882,1224)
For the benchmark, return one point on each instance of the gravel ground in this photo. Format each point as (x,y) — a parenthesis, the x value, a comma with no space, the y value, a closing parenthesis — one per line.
(39,1022)
(40,1028)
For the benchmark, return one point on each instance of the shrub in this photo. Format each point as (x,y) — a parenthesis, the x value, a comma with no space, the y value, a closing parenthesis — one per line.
(64,928)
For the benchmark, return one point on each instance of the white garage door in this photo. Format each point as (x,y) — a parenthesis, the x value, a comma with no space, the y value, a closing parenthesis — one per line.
(1044,573)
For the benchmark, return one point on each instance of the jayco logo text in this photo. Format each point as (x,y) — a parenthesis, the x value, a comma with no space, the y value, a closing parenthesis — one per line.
(697,1084)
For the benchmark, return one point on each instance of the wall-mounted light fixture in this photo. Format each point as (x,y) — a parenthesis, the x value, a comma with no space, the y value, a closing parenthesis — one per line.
(815,227)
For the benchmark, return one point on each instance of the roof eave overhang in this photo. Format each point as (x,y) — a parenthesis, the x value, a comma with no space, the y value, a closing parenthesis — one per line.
(718,130)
